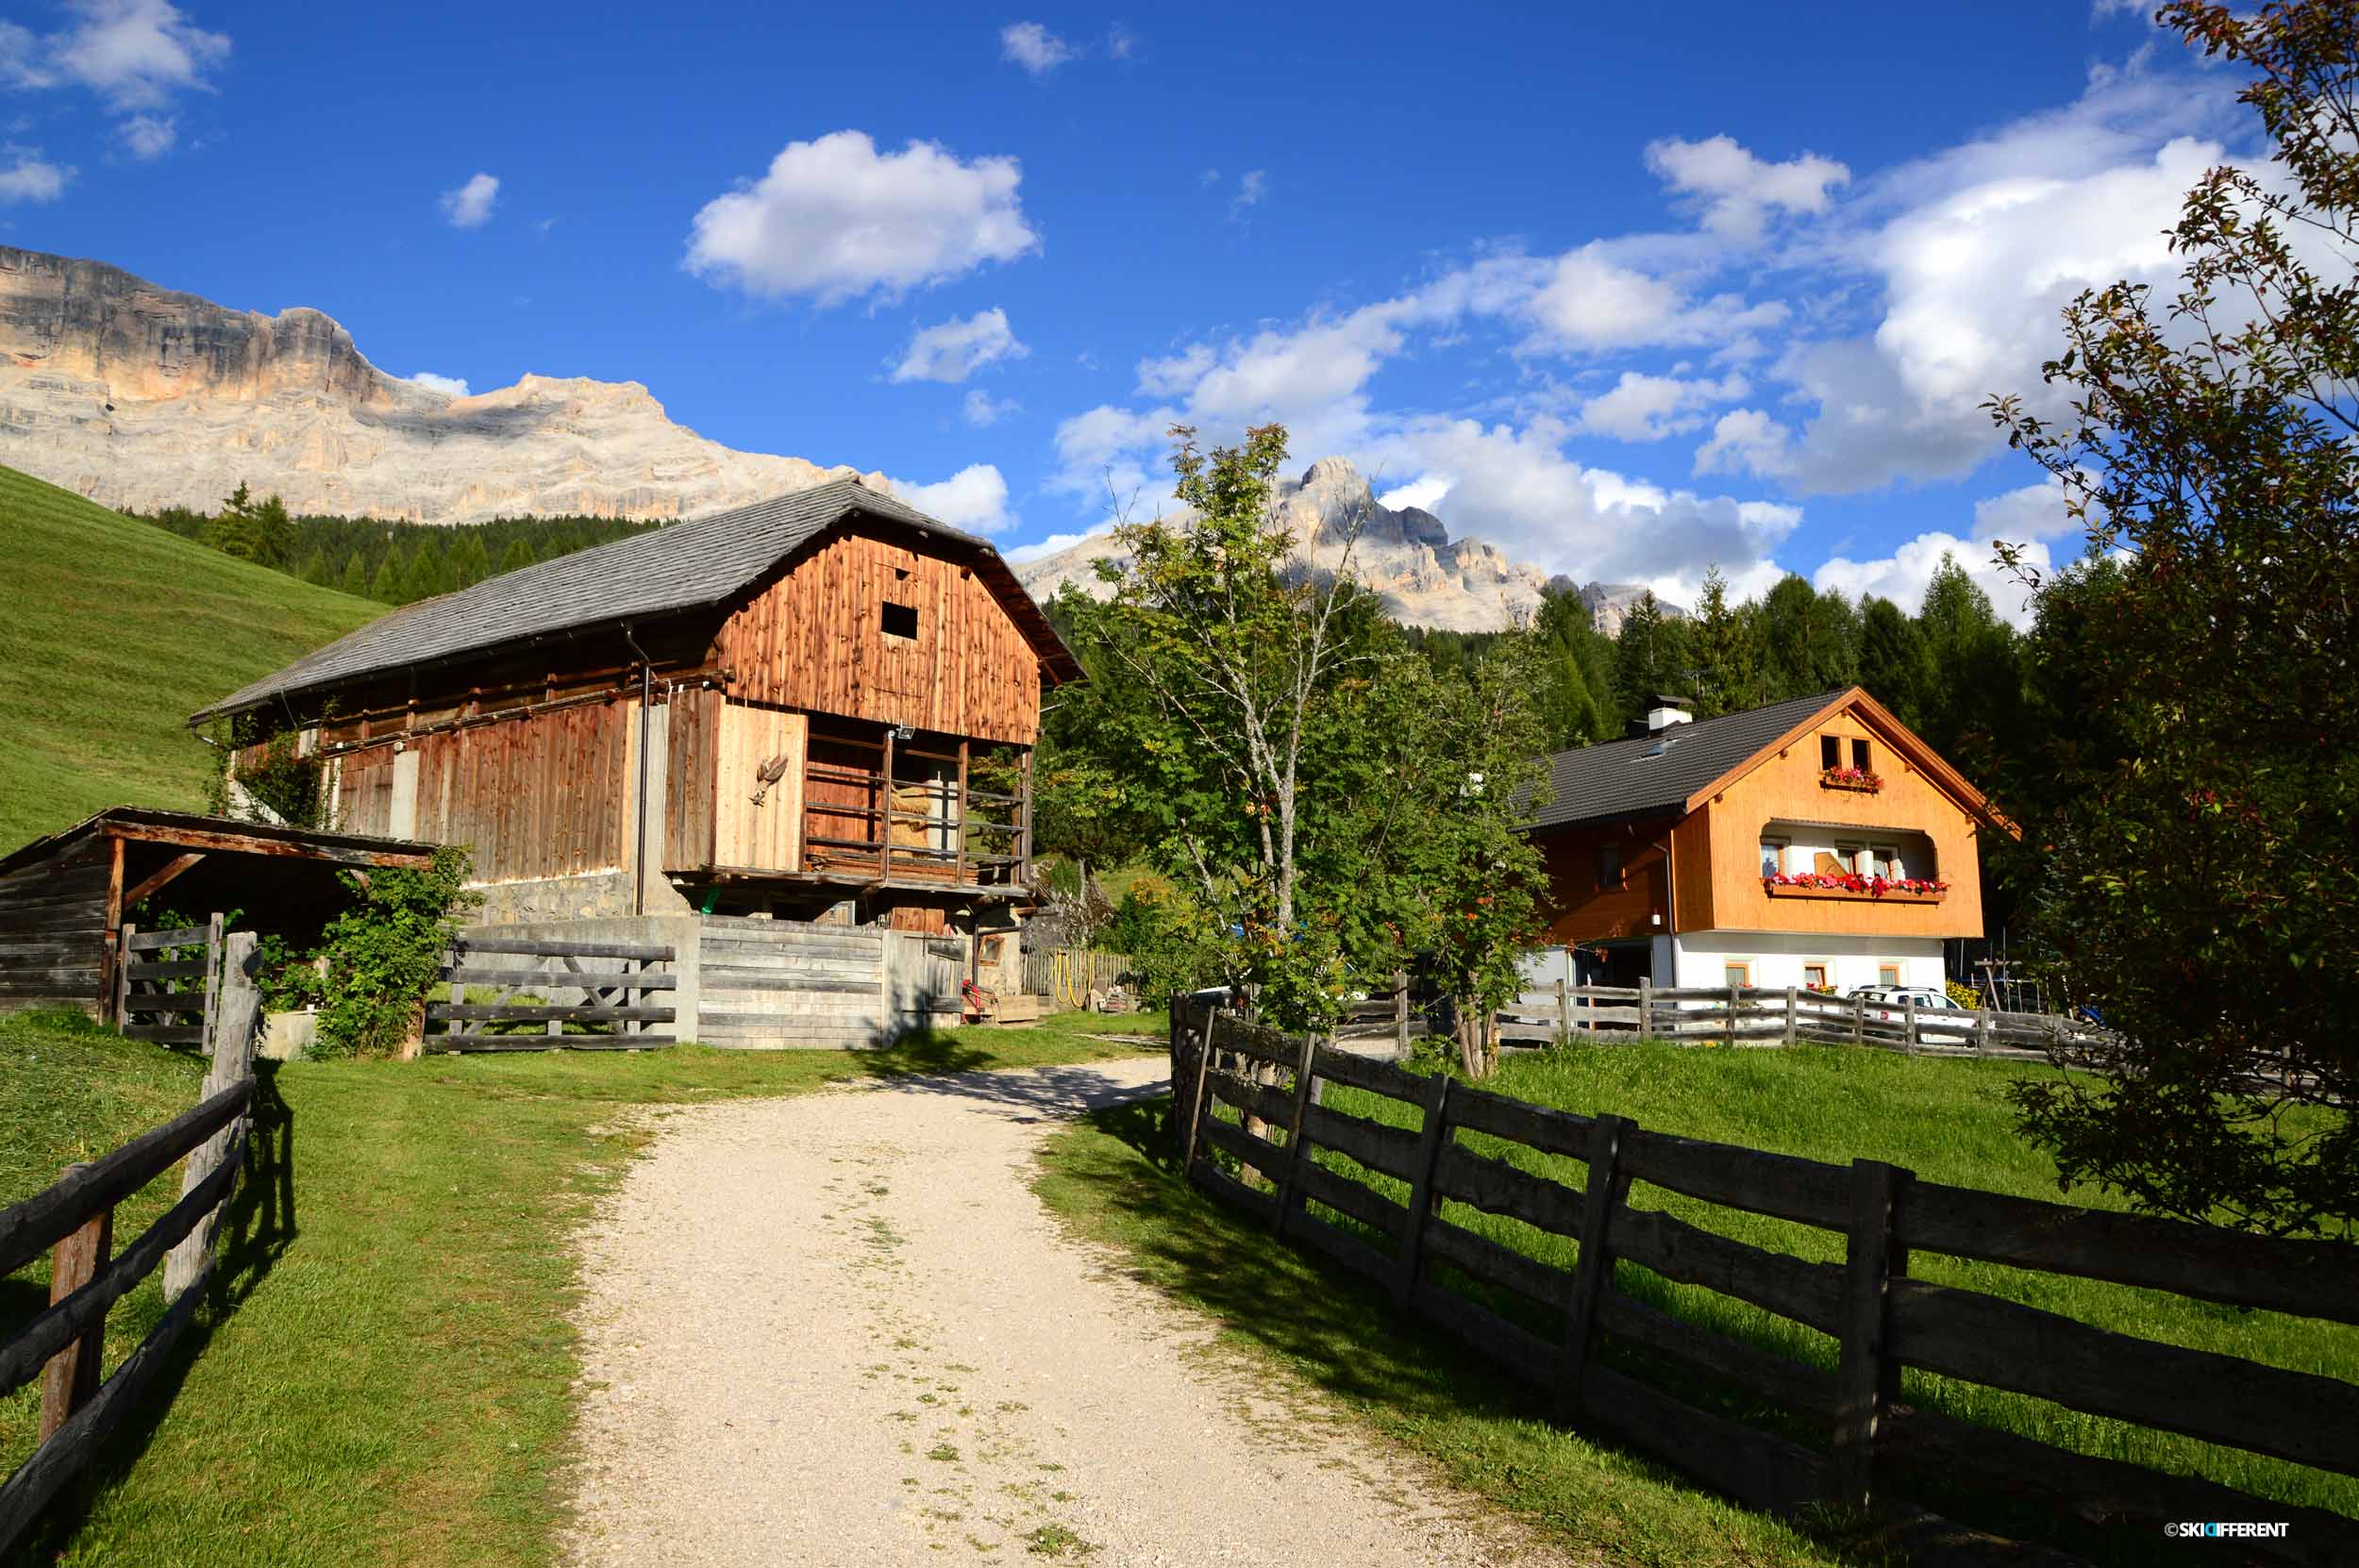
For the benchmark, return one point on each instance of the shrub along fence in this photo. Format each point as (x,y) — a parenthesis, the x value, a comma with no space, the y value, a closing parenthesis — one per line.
(1882,1319)
(616,994)
(1745,1015)
(75,1217)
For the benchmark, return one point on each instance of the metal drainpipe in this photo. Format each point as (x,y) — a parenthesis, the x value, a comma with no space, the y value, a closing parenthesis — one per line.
(647,695)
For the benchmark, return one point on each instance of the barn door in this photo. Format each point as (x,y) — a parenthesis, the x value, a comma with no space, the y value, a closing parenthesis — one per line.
(759,814)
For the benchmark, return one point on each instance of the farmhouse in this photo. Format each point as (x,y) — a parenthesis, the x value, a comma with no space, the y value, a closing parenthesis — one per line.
(814,711)
(1812,843)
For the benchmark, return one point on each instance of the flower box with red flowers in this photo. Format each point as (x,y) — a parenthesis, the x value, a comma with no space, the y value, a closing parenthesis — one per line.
(1823,884)
(1860,779)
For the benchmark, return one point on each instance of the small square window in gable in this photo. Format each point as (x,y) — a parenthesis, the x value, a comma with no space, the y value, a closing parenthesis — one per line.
(899,620)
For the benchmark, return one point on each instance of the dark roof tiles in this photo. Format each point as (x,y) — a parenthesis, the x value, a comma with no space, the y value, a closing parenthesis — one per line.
(1660,772)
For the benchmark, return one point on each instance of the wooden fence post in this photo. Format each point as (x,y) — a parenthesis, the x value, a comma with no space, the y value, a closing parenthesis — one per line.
(1400,1015)
(122,974)
(240,1021)
(1981,1033)
(1593,1265)
(70,1379)
(1732,1005)
(209,1020)
(1564,1012)
(1190,1138)
(1867,1377)
(1646,1008)
(1429,1140)
(1294,1131)
(1858,1020)
(1908,1033)
(1792,1011)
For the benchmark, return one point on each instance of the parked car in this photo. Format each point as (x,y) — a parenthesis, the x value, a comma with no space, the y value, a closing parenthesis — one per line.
(1889,1004)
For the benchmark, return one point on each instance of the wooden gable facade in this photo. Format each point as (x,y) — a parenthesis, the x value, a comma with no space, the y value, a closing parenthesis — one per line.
(854,723)
(1694,864)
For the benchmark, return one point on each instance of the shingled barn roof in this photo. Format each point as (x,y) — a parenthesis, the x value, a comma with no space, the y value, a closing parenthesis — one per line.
(691,565)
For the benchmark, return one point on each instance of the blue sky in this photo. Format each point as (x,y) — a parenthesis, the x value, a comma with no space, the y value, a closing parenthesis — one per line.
(1628,290)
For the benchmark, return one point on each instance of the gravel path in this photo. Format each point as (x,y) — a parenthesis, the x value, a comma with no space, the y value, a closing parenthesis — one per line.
(840,1329)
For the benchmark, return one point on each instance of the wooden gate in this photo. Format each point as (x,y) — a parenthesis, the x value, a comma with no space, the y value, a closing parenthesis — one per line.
(166,984)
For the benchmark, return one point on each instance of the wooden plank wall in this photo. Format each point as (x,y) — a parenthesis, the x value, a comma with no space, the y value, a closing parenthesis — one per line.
(814,639)
(767,837)
(539,795)
(53,919)
(692,759)
(1581,910)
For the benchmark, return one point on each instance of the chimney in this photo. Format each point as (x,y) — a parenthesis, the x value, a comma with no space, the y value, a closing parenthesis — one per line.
(1663,711)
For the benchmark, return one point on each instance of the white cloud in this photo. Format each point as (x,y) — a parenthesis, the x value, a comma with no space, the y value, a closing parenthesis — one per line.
(1903,577)
(956,349)
(834,220)
(983,410)
(2035,511)
(470,206)
(134,53)
(1423,493)
(975,498)
(1734,191)
(148,137)
(1649,408)
(1121,43)
(449,386)
(1593,302)
(1039,547)
(1033,47)
(30,177)
(1252,190)
(22,63)
(1745,440)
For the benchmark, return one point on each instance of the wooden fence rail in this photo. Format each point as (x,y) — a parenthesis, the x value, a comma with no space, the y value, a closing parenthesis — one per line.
(1881,1317)
(615,1006)
(1745,1015)
(74,1220)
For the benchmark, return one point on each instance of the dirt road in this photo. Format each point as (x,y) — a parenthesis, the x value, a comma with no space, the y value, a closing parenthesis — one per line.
(840,1329)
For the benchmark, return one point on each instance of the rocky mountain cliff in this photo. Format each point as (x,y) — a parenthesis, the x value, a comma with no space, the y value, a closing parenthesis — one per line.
(140,396)
(1405,554)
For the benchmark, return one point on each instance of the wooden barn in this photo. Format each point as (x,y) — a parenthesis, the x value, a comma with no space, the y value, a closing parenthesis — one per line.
(815,710)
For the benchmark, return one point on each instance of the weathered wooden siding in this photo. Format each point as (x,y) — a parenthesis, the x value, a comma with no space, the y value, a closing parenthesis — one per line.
(692,745)
(53,919)
(764,837)
(815,640)
(533,797)
(1581,910)
(1786,788)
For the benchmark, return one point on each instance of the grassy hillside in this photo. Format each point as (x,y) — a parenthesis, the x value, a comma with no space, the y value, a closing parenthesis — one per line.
(112,632)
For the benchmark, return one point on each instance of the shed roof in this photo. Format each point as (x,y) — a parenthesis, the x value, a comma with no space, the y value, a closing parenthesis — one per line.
(190,830)
(1661,772)
(684,566)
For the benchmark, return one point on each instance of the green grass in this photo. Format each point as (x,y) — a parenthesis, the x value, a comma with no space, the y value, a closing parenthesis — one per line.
(1946,1119)
(112,632)
(383,1373)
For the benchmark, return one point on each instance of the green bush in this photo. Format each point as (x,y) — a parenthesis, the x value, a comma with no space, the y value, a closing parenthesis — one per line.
(381,954)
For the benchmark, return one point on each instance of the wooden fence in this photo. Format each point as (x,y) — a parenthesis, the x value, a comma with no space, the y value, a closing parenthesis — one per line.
(611,1009)
(169,980)
(75,1218)
(1882,1318)
(1743,1015)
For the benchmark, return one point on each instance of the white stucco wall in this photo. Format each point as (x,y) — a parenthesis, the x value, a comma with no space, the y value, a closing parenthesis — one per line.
(1699,959)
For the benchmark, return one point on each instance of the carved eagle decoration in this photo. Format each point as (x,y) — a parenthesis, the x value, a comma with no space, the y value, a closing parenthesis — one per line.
(769,773)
